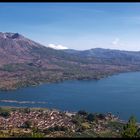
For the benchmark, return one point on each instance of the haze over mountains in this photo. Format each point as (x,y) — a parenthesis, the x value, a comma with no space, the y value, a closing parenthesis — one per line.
(24,62)
(127,56)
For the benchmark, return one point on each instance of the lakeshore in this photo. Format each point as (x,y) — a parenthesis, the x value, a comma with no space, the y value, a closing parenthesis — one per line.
(105,95)
(26,122)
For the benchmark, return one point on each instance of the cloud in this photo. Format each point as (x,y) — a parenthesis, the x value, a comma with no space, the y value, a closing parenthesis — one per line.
(58,47)
(116,41)
(118,44)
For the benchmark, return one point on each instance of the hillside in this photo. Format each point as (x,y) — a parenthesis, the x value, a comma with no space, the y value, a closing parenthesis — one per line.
(24,62)
(114,56)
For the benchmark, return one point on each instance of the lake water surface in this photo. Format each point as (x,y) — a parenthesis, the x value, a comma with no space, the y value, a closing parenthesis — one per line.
(119,94)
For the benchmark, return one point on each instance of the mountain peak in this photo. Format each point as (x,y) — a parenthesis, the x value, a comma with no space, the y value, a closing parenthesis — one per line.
(10,35)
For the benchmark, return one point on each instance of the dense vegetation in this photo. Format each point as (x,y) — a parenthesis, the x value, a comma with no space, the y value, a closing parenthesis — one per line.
(131,129)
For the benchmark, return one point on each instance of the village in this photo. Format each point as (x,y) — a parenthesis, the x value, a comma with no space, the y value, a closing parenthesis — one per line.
(45,120)
(40,119)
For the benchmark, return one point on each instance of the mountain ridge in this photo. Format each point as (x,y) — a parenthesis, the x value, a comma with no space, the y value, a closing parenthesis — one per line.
(24,62)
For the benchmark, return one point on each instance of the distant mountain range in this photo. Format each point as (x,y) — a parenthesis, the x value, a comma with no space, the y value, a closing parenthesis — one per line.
(127,56)
(24,62)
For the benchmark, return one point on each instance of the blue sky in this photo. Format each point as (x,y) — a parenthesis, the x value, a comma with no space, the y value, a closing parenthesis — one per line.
(75,25)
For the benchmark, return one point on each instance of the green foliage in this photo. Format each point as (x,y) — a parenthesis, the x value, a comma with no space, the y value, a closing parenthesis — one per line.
(57,128)
(4,112)
(26,110)
(82,112)
(130,129)
(90,117)
(100,116)
(78,119)
(115,125)
(138,133)
(26,124)
(37,135)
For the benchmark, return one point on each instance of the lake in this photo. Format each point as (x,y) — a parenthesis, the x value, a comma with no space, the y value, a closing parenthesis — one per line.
(119,94)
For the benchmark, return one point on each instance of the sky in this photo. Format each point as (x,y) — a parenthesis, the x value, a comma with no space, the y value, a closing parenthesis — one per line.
(77,26)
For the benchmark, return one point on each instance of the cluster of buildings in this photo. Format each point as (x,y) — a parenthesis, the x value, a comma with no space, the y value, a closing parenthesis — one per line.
(45,119)
(40,119)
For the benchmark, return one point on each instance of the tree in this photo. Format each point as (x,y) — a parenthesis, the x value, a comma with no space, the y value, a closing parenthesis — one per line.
(82,112)
(26,110)
(91,117)
(26,124)
(4,112)
(138,133)
(101,116)
(130,129)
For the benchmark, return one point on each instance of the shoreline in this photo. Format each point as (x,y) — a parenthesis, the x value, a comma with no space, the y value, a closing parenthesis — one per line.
(24,122)
(65,80)
(68,112)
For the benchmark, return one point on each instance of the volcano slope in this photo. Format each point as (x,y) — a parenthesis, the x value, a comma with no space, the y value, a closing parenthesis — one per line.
(24,62)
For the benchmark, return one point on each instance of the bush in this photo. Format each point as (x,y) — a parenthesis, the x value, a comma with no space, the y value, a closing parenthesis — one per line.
(4,113)
(90,117)
(101,116)
(82,112)
(85,126)
(26,110)
(57,128)
(138,133)
(37,135)
(26,124)
(77,119)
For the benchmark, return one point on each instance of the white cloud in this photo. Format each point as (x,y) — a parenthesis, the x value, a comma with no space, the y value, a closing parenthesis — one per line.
(118,44)
(58,47)
(116,41)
